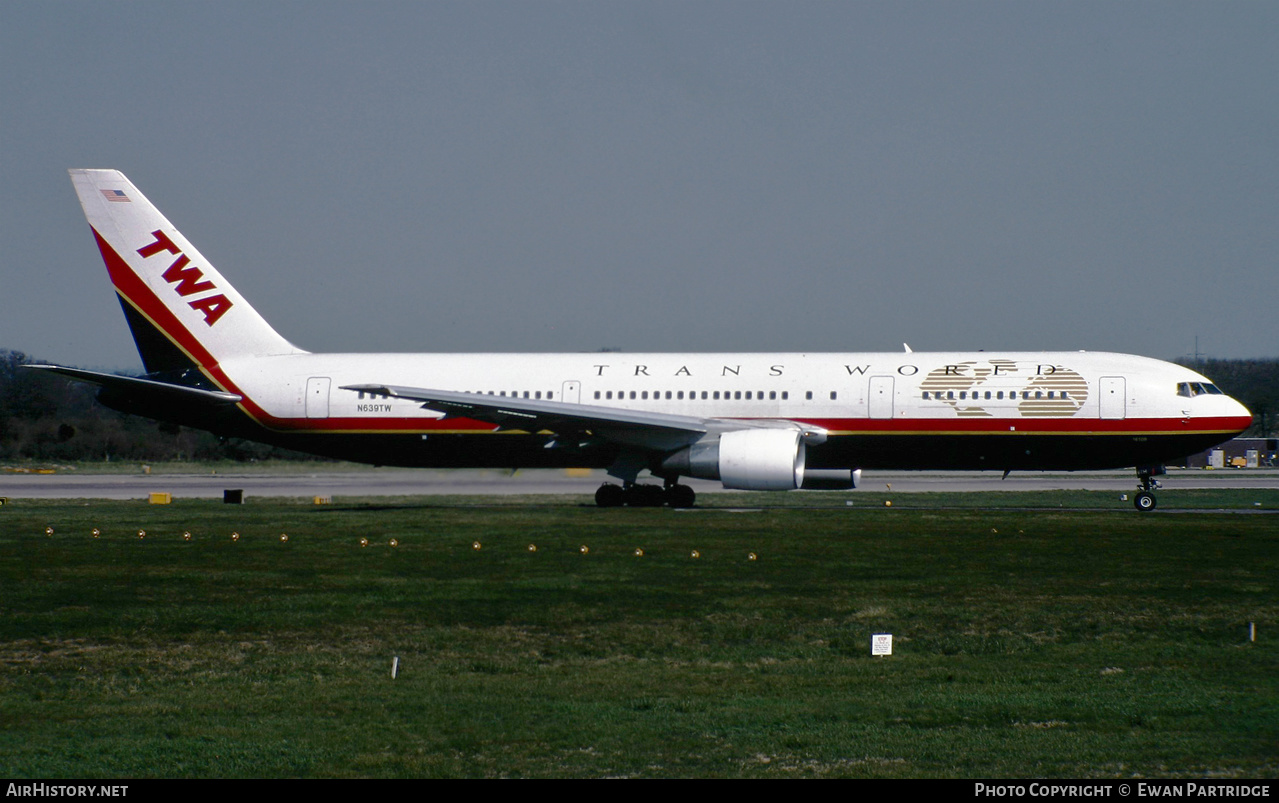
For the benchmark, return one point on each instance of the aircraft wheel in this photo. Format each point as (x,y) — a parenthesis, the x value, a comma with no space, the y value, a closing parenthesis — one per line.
(1144,501)
(680,496)
(645,496)
(610,495)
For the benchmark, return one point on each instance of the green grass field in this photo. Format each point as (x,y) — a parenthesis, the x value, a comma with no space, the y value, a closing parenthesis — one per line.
(1050,642)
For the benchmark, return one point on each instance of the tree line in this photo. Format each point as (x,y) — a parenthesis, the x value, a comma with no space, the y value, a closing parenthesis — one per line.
(44,416)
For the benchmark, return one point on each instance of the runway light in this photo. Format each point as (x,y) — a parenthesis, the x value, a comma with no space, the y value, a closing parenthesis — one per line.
(186,535)
(888,503)
(639,553)
(752,556)
(48,531)
(235,537)
(142,533)
(532,547)
(584,549)
(364,542)
(395,542)
(696,554)
(476,545)
(284,538)
(96,532)
(993,530)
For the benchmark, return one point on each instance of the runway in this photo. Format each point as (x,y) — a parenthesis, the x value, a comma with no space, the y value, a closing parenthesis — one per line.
(69,484)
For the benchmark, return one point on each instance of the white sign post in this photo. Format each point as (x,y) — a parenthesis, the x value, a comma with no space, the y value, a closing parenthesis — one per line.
(881,643)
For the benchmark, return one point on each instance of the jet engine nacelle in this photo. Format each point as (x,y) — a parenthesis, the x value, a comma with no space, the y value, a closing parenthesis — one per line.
(745,459)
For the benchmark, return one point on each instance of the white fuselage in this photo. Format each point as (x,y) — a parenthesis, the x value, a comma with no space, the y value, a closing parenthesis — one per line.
(850,391)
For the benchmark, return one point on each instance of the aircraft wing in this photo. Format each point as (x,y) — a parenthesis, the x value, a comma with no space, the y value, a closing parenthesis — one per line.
(636,427)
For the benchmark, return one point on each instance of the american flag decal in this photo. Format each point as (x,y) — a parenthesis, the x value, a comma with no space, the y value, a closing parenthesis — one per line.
(116,196)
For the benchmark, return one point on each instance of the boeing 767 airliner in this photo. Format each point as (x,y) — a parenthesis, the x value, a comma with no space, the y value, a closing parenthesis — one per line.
(750,421)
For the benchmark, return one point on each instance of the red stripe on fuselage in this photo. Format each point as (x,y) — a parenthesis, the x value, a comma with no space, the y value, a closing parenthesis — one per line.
(1134,427)
(1077,425)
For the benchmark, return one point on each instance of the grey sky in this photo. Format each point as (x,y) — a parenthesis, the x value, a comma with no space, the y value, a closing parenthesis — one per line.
(687,176)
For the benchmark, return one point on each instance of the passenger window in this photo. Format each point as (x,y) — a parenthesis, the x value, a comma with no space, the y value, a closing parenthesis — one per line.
(832,395)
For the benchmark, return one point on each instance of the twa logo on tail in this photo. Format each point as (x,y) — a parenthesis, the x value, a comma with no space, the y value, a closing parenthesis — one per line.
(189,280)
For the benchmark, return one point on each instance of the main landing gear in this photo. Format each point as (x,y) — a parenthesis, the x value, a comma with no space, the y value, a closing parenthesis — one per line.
(635,495)
(1145,498)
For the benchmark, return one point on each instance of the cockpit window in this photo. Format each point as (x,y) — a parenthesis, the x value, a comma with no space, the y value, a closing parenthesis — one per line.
(1189,389)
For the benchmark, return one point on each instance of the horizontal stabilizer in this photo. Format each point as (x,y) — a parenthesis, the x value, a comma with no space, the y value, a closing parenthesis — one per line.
(149,388)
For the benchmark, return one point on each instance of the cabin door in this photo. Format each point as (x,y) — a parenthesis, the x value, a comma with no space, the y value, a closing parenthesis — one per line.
(881,397)
(1112,397)
(317,397)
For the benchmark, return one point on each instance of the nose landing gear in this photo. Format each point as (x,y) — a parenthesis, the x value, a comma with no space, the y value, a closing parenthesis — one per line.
(1145,498)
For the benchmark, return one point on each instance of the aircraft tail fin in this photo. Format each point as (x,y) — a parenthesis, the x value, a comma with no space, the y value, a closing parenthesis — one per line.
(182,312)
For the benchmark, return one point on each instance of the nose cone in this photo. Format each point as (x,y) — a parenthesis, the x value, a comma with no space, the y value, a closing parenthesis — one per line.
(1237,416)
